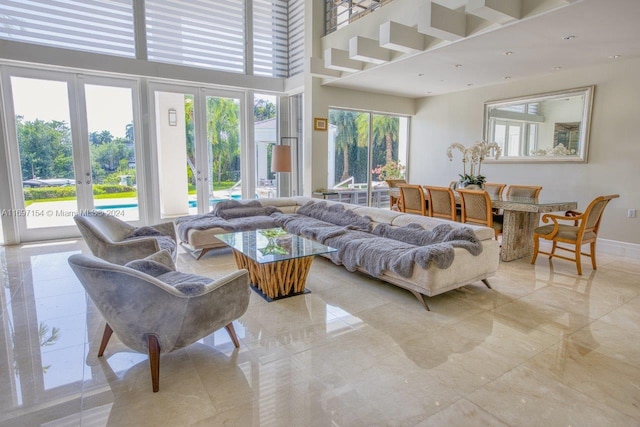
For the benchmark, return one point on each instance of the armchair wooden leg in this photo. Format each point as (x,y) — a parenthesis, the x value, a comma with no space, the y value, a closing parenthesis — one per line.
(593,255)
(536,247)
(106,335)
(553,249)
(154,360)
(486,283)
(578,260)
(232,335)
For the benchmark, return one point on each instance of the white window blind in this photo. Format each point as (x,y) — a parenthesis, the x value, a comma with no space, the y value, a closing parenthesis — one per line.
(296,37)
(89,25)
(270,38)
(200,33)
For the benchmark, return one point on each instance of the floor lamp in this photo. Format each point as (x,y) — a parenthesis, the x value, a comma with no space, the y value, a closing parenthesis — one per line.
(281,161)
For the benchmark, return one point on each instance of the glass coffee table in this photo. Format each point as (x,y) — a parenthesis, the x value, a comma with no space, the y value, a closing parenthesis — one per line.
(278,262)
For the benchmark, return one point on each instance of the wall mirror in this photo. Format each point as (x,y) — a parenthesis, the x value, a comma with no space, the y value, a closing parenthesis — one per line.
(548,127)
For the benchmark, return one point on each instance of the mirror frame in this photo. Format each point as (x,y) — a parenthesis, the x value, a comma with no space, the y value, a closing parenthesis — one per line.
(585,131)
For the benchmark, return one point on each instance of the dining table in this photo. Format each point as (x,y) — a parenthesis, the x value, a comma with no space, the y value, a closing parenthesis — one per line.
(521,215)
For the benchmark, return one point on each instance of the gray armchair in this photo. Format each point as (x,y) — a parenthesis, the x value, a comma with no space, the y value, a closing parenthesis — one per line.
(116,241)
(153,309)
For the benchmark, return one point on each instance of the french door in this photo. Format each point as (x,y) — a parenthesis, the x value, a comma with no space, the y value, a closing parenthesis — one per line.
(198,142)
(72,142)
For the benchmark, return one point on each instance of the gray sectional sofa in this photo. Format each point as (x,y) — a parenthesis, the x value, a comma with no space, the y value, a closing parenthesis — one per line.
(427,256)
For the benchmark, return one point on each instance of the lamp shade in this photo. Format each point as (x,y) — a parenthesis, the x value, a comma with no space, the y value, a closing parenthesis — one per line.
(281,158)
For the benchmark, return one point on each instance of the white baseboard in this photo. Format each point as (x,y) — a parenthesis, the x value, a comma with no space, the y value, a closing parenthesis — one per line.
(620,249)
(609,247)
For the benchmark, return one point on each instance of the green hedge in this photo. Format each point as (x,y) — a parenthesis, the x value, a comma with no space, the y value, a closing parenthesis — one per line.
(38,193)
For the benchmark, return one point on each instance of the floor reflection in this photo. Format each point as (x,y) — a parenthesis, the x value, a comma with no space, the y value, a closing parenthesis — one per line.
(355,351)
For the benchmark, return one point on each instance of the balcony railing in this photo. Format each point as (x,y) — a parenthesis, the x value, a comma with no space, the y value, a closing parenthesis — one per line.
(340,13)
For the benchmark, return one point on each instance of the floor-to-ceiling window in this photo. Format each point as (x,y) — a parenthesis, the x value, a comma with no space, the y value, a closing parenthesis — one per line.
(265,131)
(73,138)
(198,144)
(365,149)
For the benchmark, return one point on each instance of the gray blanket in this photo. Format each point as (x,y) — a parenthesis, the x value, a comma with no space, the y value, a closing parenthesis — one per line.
(207,221)
(396,249)
(229,215)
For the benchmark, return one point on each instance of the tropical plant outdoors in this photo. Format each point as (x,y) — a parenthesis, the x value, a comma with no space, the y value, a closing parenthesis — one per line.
(472,158)
(46,150)
(390,170)
(352,142)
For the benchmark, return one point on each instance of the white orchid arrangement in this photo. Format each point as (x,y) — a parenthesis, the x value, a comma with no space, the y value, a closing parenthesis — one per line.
(473,156)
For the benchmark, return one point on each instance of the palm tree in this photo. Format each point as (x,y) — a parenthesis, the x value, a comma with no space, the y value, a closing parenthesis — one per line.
(346,134)
(128,132)
(385,132)
(223,118)
(189,129)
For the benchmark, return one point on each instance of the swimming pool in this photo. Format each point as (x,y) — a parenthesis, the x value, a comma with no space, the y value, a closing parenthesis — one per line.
(192,203)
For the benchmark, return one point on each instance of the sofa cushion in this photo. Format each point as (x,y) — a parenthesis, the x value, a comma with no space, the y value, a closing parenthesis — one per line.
(246,211)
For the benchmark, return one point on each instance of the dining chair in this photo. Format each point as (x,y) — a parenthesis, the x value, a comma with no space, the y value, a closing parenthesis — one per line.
(583,230)
(393,183)
(442,202)
(531,191)
(476,209)
(495,192)
(494,189)
(412,199)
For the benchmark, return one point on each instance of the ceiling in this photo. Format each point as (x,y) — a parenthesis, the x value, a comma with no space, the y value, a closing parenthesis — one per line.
(602,30)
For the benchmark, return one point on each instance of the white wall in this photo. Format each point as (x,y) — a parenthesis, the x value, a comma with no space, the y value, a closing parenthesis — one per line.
(614,148)
(172,156)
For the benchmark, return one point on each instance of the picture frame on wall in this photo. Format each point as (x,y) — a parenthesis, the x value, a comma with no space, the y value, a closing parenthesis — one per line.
(319,124)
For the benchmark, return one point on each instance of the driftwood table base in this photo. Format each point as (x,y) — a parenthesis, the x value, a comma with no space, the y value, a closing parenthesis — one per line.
(276,280)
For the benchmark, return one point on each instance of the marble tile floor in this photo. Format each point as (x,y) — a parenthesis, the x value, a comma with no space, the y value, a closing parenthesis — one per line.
(545,347)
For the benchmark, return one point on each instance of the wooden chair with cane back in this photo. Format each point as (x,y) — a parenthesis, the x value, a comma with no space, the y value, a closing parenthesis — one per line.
(476,209)
(393,183)
(442,202)
(531,191)
(583,230)
(412,199)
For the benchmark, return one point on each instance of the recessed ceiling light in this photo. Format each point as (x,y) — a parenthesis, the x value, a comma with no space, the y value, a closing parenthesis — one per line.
(571,37)
(557,68)
(458,65)
(614,56)
(508,53)
(507,77)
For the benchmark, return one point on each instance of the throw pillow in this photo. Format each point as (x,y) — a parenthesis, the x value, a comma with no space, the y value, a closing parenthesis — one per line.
(187,283)
(163,257)
(147,266)
(191,289)
(145,231)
